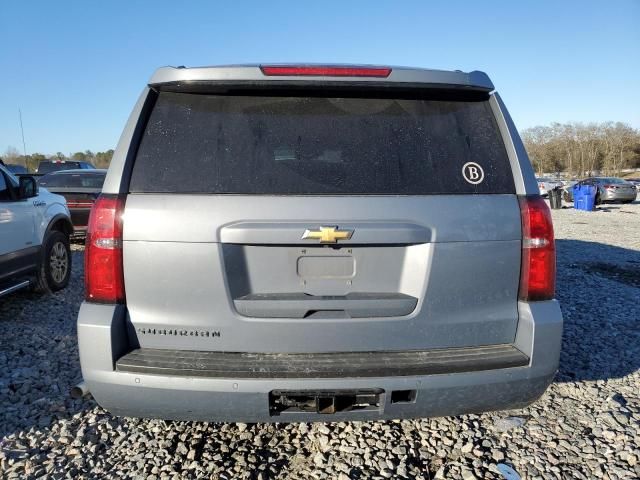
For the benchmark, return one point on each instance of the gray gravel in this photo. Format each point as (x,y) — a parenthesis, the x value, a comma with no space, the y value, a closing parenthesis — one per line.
(585,426)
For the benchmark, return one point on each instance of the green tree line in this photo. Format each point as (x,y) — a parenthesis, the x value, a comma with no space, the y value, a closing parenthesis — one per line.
(31,161)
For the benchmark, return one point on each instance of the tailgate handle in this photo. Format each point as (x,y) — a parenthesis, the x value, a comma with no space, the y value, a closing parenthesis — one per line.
(310,233)
(301,305)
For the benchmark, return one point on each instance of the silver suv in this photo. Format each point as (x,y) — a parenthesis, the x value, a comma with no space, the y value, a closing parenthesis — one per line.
(304,242)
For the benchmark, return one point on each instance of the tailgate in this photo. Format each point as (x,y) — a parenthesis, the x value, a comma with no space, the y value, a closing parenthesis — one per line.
(306,223)
(225,280)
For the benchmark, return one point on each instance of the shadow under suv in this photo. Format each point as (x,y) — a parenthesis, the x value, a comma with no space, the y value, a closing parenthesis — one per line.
(304,242)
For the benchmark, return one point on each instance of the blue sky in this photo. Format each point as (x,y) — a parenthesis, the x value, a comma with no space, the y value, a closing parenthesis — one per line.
(76,68)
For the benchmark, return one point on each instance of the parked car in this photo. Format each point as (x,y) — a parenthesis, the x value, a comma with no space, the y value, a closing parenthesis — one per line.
(303,243)
(635,181)
(609,190)
(48,166)
(34,236)
(80,188)
(16,169)
(546,184)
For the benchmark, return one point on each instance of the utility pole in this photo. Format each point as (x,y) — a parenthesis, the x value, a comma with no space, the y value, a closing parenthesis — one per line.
(24,145)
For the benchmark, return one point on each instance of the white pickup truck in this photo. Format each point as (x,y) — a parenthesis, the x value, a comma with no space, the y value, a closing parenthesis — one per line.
(34,236)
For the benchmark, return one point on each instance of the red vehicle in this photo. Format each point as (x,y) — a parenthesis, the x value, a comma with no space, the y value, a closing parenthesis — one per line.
(80,188)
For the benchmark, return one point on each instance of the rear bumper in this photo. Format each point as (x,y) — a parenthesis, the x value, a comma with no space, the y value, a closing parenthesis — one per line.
(617,196)
(79,219)
(79,231)
(103,341)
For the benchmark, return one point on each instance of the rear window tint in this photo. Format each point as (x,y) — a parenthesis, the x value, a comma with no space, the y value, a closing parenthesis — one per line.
(615,180)
(56,166)
(199,143)
(73,180)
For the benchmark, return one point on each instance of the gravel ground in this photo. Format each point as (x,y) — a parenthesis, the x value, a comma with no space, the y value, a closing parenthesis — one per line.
(585,426)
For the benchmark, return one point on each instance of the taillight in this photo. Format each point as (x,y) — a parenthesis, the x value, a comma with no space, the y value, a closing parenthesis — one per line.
(538,272)
(103,271)
(324,71)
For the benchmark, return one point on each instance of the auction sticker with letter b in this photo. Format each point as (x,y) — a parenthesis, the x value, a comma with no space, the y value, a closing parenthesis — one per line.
(473,173)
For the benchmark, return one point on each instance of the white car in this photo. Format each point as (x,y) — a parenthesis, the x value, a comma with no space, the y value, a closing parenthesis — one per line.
(34,236)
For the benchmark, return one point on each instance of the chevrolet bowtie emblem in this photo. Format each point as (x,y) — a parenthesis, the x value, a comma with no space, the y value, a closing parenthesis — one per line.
(327,234)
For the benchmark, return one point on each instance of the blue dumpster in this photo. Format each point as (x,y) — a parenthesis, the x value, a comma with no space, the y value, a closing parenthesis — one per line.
(584,197)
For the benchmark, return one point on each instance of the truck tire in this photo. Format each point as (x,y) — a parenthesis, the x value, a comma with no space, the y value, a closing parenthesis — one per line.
(55,267)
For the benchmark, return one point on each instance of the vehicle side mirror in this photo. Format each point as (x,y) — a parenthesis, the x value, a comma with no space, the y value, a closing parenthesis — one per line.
(28,187)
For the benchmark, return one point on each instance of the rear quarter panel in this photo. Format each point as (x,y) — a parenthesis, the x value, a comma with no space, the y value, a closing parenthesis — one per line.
(55,206)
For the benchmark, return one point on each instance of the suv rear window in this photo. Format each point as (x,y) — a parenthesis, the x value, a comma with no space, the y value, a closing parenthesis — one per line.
(73,180)
(48,167)
(202,143)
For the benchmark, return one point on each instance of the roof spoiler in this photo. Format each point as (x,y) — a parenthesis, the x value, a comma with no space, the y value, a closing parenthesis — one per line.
(182,78)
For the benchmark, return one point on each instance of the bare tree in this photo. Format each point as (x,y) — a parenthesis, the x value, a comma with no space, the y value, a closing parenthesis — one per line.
(12,156)
(583,149)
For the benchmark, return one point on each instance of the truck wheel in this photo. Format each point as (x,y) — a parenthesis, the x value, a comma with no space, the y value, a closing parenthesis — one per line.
(55,268)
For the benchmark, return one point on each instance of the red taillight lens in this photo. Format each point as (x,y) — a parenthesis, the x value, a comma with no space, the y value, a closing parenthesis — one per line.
(103,272)
(325,71)
(538,272)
